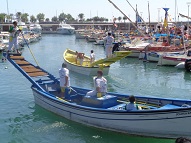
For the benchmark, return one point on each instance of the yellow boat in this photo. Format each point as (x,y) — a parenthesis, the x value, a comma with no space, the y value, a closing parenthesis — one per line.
(88,68)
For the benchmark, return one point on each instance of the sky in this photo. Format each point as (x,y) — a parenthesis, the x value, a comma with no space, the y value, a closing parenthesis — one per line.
(102,8)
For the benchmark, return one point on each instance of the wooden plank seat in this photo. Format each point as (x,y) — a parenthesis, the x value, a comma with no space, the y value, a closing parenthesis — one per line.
(22,62)
(34,74)
(17,57)
(28,70)
(27,66)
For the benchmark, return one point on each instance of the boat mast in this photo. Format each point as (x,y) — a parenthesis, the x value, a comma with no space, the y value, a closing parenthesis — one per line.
(149,18)
(136,12)
(127,18)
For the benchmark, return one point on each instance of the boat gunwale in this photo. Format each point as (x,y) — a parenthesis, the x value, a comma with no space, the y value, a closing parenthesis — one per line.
(51,96)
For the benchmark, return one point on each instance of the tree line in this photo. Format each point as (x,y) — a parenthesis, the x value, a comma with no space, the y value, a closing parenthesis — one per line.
(24,17)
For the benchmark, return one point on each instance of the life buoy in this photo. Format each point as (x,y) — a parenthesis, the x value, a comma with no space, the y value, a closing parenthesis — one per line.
(188,65)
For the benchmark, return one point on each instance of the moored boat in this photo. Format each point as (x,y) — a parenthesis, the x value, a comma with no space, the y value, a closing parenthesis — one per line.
(65,29)
(159,117)
(88,68)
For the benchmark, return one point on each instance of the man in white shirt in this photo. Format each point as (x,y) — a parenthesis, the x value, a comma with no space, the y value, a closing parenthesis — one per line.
(64,79)
(13,37)
(108,42)
(92,56)
(100,85)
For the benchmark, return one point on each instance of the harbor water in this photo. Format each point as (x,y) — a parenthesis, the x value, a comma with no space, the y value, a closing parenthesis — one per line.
(22,121)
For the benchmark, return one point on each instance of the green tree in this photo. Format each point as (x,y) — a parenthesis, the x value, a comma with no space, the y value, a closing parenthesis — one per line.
(96,18)
(18,15)
(2,17)
(40,17)
(106,19)
(119,18)
(102,19)
(24,17)
(69,17)
(124,18)
(62,17)
(47,19)
(81,16)
(32,18)
(54,19)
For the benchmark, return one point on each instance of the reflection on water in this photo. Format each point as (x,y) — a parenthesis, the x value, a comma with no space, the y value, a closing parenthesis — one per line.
(43,126)
(23,121)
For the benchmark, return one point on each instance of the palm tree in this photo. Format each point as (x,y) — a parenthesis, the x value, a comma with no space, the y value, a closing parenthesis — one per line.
(32,18)
(62,17)
(119,18)
(18,15)
(54,19)
(2,17)
(81,16)
(24,17)
(47,19)
(40,17)
(124,18)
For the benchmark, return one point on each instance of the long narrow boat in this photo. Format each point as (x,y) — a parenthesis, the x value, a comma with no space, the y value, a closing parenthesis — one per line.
(159,117)
(88,68)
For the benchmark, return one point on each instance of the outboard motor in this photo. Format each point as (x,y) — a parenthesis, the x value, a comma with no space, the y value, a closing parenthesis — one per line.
(188,65)
(116,46)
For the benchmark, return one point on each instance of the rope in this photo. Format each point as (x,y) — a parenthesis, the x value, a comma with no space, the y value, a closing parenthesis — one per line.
(127,18)
(30,50)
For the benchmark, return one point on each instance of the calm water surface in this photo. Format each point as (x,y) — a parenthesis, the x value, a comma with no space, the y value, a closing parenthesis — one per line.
(22,121)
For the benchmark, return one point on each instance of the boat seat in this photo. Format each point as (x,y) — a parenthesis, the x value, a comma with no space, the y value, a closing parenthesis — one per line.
(102,102)
(118,107)
(169,106)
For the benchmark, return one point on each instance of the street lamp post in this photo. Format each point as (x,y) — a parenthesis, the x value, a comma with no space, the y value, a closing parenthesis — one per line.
(188,3)
(159,15)
(141,18)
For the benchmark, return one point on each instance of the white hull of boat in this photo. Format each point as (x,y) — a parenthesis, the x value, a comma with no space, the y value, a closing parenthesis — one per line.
(99,42)
(171,60)
(90,71)
(79,36)
(171,124)
(65,31)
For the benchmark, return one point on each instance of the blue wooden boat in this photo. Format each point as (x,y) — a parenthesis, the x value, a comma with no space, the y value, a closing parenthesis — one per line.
(159,117)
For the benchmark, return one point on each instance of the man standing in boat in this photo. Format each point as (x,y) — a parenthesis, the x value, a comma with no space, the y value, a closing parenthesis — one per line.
(64,79)
(92,56)
(108,42)
(13,37)
(80,57)
(100,85)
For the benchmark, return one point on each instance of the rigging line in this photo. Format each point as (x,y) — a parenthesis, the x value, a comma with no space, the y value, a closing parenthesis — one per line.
(127,17)
(136,12)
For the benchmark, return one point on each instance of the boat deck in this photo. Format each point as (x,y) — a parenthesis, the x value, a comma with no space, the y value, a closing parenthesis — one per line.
(30,69)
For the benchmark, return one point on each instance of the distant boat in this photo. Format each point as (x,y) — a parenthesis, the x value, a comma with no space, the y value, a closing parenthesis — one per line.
(159,117)
(173,59)
(65,29)
(36,28)
(88,68)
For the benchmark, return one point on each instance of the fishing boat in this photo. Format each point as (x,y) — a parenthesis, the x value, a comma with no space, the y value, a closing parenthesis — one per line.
(159,117)
(88,68)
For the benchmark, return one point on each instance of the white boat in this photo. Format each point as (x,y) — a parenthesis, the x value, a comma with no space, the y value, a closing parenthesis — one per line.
(36,28)
(65,29)
(80,35)
(99,42)
(88,68)
(173,59)
(159,117)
